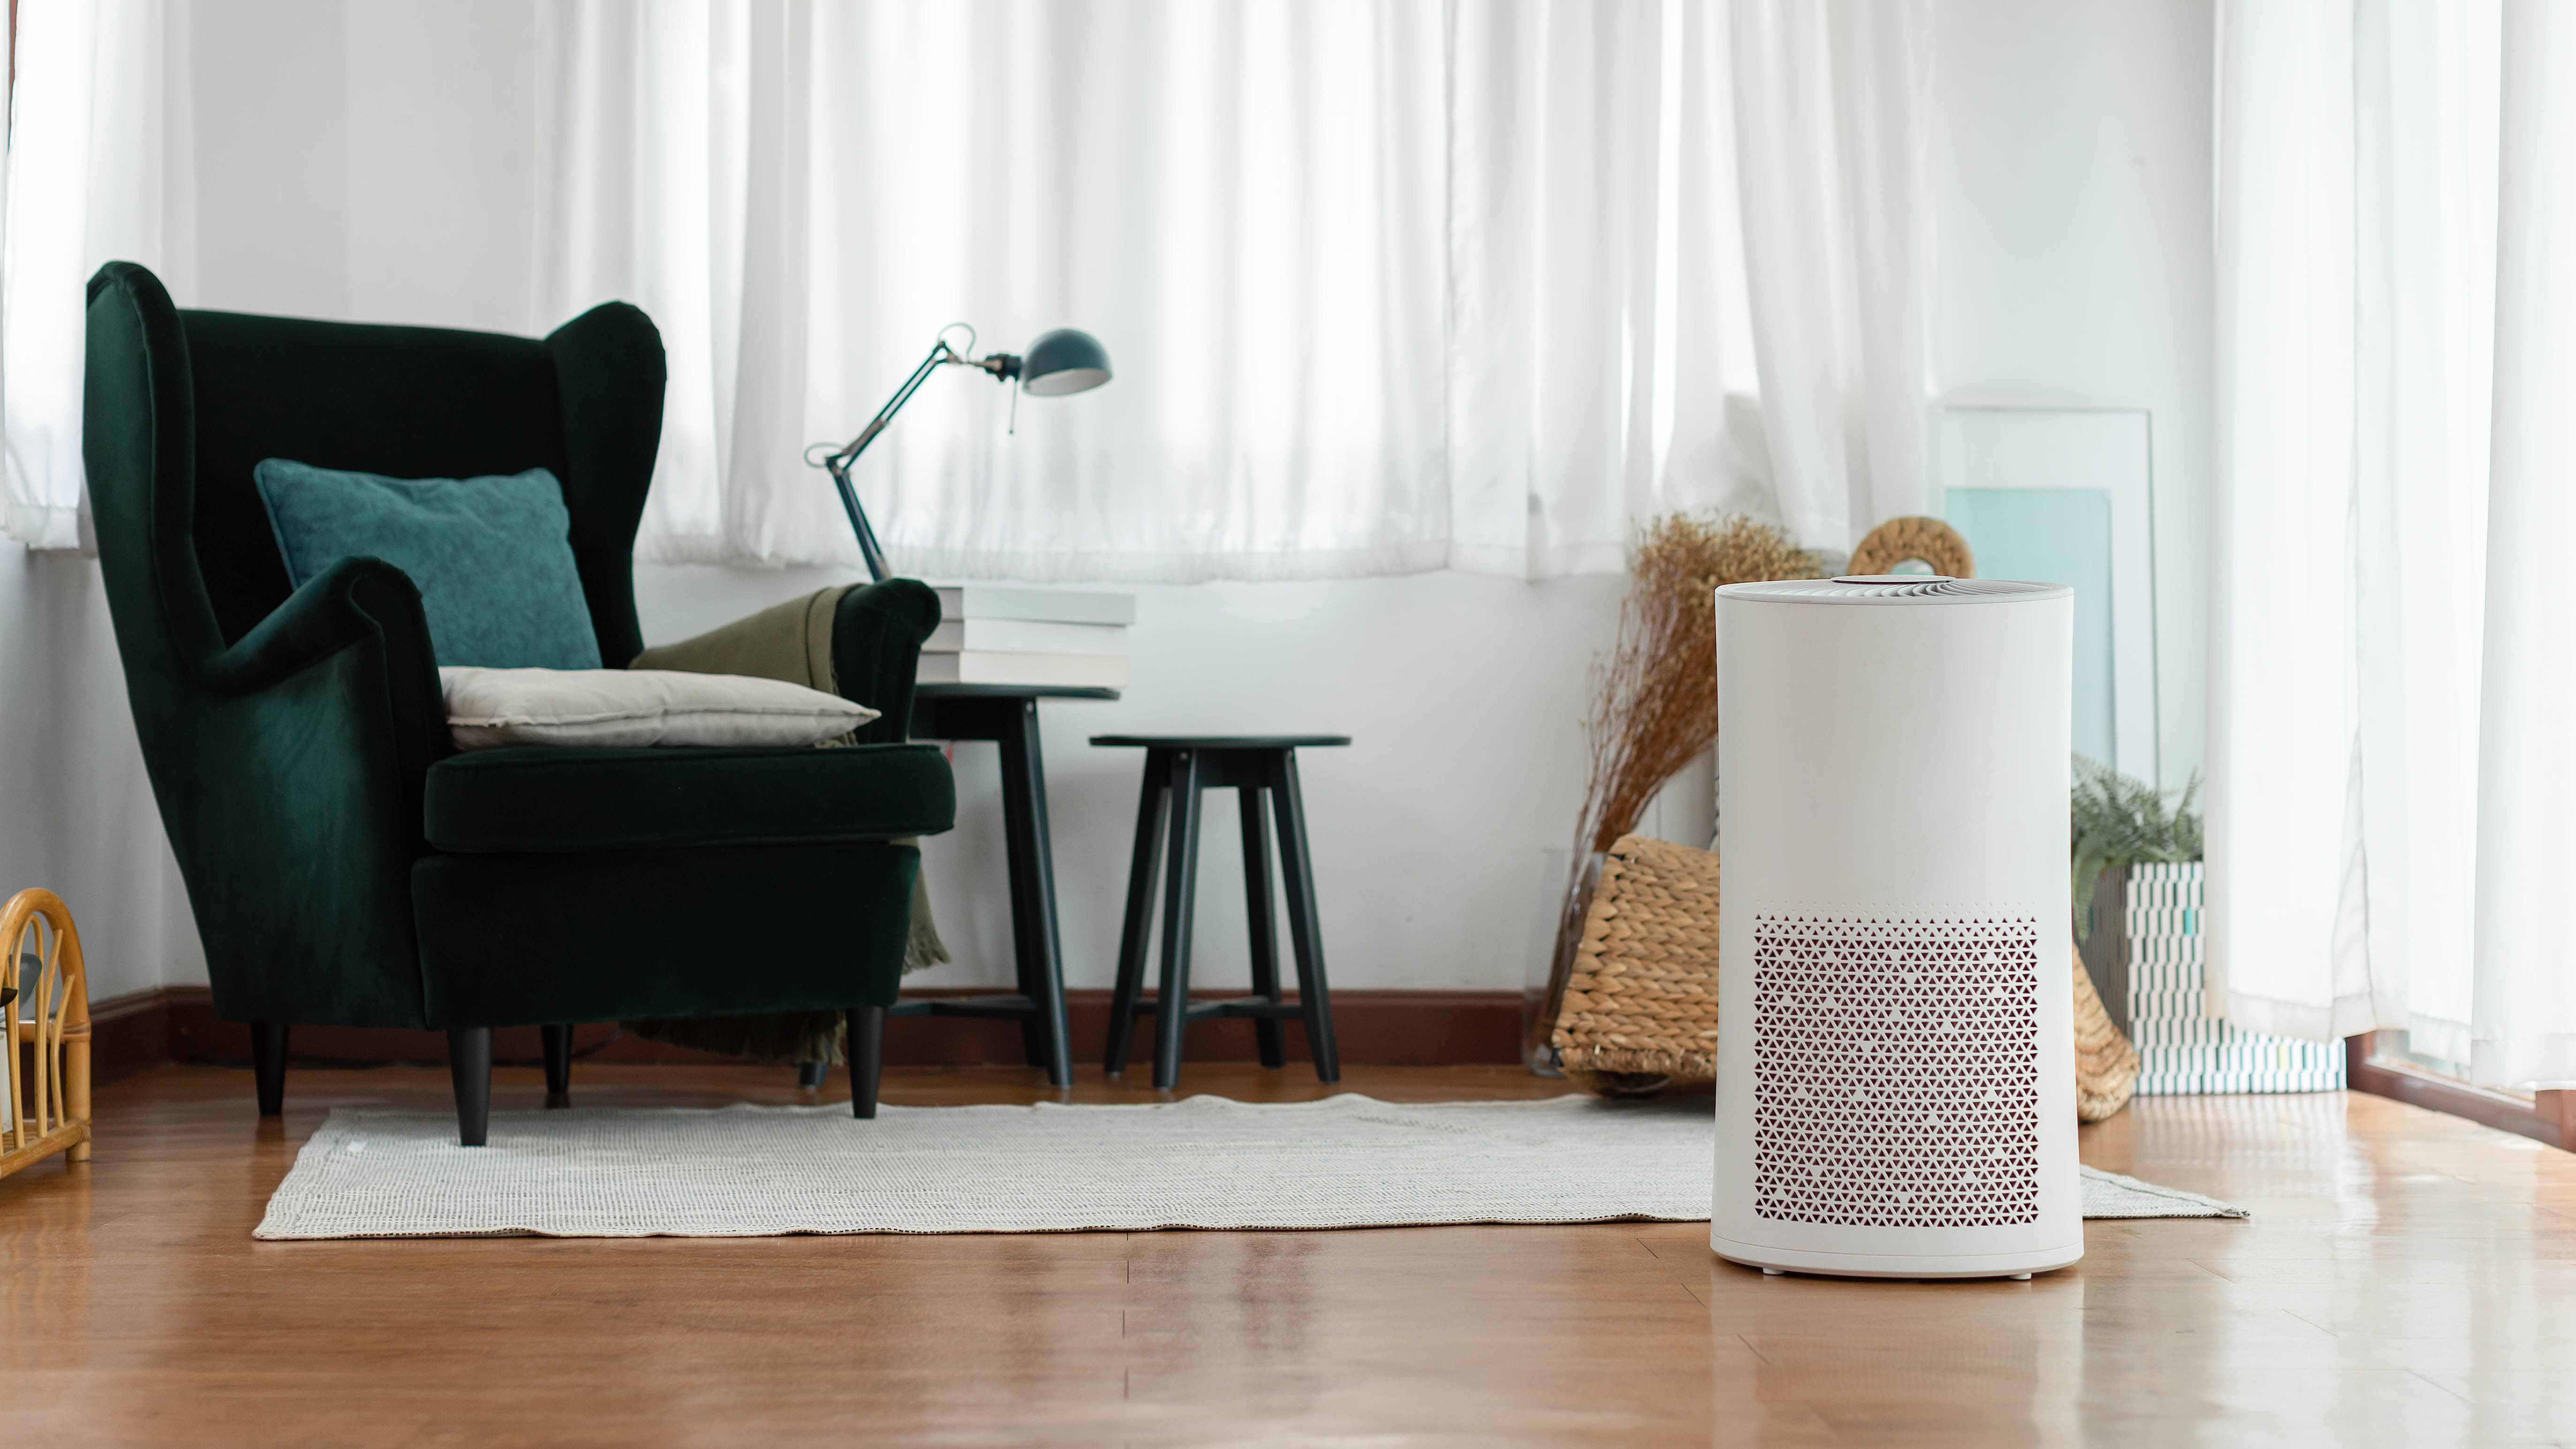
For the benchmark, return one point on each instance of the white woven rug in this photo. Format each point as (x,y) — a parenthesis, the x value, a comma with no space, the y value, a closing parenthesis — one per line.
(1202,1162)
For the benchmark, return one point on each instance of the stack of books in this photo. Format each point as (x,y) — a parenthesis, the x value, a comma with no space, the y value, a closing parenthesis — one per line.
(991,634)
(2182,1050)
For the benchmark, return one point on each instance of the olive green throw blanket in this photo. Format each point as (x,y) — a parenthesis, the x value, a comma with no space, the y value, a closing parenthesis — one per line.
(790,641)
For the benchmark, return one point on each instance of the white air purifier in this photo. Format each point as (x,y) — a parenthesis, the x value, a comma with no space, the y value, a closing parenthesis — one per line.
(1896,1053)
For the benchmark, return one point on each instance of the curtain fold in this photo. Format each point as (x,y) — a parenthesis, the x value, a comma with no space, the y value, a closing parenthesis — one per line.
(1244,200)
(2282,707)
(1831,120)
(97,169)
(2525,988)
(2396,346)
(1556,147)
(2424,313)
(1388,288)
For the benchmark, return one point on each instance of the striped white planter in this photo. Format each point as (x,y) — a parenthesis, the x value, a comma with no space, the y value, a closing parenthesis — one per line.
(2182,1050)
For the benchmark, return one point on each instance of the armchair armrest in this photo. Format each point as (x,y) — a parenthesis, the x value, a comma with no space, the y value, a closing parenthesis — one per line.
(877,634)
(355,603)
(352,601)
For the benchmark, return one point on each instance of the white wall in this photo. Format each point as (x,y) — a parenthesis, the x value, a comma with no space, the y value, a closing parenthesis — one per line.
(2072,190)
(76,812)
(371,160)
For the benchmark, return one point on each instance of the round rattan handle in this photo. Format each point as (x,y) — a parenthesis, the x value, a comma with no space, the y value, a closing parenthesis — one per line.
(1929,539)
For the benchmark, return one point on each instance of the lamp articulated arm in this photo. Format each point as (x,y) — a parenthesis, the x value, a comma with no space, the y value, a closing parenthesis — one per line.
(1002,365)
(1057,363)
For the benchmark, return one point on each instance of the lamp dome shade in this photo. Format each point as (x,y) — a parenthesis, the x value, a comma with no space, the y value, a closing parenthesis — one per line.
(1064,361)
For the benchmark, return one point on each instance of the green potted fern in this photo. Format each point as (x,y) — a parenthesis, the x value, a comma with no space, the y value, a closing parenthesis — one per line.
(2119,821)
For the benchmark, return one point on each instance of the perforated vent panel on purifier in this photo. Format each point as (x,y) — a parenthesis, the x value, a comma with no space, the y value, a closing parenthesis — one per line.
(1896,1069)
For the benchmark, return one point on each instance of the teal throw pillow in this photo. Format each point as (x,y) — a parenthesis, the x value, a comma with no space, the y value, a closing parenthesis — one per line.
(492,557)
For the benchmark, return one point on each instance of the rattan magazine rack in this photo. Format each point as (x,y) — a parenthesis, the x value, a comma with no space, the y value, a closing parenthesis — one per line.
(44,1016)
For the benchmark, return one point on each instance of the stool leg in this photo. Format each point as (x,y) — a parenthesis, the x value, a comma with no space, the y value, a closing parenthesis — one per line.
(1142,870)
(1172,1002)
(1305,927)
(1266,1031)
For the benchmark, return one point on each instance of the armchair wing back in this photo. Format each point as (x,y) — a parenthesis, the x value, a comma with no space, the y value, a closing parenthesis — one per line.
(295,810)
(295,737)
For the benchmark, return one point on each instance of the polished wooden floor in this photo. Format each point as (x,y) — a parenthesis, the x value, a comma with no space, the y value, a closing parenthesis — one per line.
(2406,1279)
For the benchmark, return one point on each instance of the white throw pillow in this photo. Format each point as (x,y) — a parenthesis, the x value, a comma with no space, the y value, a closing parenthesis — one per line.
(489,708)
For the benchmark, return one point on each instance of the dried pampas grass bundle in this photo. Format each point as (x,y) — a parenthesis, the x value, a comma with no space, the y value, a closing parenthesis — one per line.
(1654,694)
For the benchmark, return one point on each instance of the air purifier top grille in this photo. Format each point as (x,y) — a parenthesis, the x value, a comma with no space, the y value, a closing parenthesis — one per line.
(1894,589)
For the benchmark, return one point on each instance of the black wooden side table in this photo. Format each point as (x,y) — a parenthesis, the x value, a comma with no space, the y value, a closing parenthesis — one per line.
(1007,714)
(1177,768)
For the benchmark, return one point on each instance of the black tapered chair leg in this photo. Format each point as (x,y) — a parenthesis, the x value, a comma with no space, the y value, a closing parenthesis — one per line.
(469,1068)
(866,1051)
(810,1076)
(268,1065)
(558,1043)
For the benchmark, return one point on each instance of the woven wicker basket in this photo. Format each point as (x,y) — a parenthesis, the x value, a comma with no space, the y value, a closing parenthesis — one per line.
(1640,1011)
(2106,1065)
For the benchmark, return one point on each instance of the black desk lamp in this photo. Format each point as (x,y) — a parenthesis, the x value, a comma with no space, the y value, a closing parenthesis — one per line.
(1059,362)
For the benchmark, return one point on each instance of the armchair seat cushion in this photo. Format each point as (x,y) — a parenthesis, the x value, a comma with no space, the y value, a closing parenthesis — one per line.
(545,799)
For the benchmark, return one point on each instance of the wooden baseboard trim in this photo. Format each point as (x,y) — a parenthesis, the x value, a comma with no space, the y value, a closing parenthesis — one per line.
(143,1029)
(131,1033)
(2546,1116)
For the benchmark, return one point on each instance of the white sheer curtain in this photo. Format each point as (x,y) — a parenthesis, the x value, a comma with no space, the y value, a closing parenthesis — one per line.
(1833,135)
(97,169)
(2525,986)
(1556,158)
(1243,200)
(2397,362)
(1388,287)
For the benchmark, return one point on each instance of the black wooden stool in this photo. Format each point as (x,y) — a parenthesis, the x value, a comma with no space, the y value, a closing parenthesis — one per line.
(1177,768)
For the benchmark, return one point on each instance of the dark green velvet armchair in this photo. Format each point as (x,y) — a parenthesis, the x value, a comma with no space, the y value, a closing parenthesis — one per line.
(345,864)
